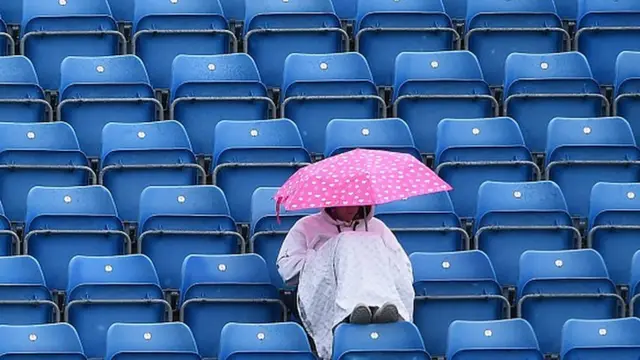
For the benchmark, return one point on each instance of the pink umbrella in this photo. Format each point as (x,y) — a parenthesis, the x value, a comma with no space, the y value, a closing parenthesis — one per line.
(358,177)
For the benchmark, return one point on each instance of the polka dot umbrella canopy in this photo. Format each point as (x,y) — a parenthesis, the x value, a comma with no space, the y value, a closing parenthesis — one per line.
(358,177)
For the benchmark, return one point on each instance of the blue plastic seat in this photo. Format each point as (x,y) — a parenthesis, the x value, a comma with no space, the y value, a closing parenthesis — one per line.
(583,152)
(346,9)
(286,341)
(601,339)
(122,10)
(21,97)
(425,223)
(135,156)
(233,11)
(11,12)
(567,9)
(467,276)
(634,285)
(456,9)
(9,240)
(95,91)
(399,341)
(62,222)
(319,88)
(540,87)
(605,28)
(48,341)
(497,28)
(7,44)
(169,341)
(626,91)
(512,218)
(104,290)
(273,29)
(176,221)
(38,154)
(207,89)
(555,286)
(220,289)
(50,32)
(614,215)
(267,232)
(384,29)
(512,339)
(163,30)
(470,152)
(253,154)
(450,87)
(392,134)
(21,286)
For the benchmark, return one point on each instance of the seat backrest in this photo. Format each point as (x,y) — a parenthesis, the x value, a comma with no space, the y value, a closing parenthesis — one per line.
(548,73)
(634,282)
(284,339)
(112,278)
(480,140)
(399,340)
(607,13)
(521,203)
(447,72)
(120,76)
(498,339)
(419,211)
(598,339)
(510,14)
(263,212)
(391,134)
(291,14)
(177,15)
(614,204)
(11,12)
(77,15)
(627,79)
(225,276)
(41,341)
(453,273)
(20,272)
(215,75)
(18,80)
(146,341)
(327,74)
(258,141)
(380,13)
(563,272)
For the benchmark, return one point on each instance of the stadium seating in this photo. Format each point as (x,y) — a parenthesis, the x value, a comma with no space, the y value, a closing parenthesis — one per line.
(614,214)
(9,240)
(399,341)
(38,154)
(626,90)
(555,286)
(111,289)
(583,151)
(163,30)
(472,151)
(273,29)
(11,12)
(286,341)
(95,91)
(208,88)
(345,9)
(514,217)
(52,30)
(135,156)
(20,290)
(176,221)
(150,341)
(49,341)
(634,285)
(384,29)
(567,10)
(64,222)
(377,134)
(21,97)
(468,277)
(604,28)
(267,231)
(452,86)
(497,28)
(233,11)
(500,340)
(319,88)
(600,339)
(540,87)
(425,223)
(122,10)
(219,289)
(253,154)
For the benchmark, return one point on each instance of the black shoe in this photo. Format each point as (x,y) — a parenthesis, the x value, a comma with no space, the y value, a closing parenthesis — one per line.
(360,315)
(387,313)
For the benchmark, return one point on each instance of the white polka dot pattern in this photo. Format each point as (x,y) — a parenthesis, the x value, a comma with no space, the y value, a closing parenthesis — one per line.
(358,177)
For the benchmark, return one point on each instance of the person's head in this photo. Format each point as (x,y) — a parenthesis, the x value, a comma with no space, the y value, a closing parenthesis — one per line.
(349,213)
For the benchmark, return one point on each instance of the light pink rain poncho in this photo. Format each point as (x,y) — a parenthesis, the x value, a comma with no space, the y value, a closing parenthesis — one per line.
(338,266)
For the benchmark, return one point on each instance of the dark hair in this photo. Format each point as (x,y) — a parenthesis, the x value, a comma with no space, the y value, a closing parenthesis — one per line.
(362,214)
